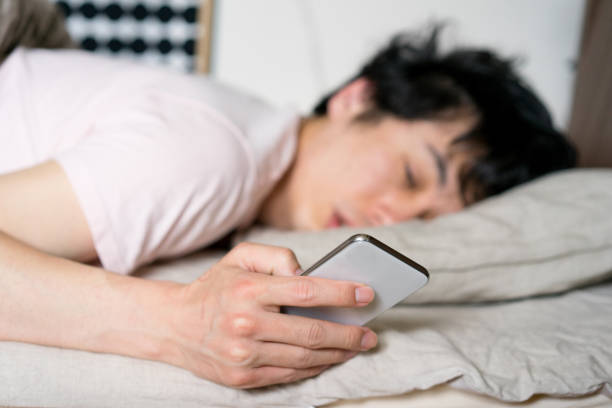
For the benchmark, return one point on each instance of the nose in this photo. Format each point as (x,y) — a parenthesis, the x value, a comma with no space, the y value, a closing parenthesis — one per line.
(397,207)
(380,215)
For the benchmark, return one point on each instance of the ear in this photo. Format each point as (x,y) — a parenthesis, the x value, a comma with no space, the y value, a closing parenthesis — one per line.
(351,100)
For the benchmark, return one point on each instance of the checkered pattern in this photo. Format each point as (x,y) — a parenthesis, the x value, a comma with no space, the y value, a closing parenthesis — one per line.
(155,31)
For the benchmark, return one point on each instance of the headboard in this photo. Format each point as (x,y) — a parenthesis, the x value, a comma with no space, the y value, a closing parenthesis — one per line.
(169,32)
(591,123)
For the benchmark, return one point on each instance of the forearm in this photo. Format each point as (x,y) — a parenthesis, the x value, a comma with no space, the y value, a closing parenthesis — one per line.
(56,302)
(224,326)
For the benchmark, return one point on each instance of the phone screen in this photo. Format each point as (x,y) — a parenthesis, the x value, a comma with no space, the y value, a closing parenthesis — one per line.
(363,258)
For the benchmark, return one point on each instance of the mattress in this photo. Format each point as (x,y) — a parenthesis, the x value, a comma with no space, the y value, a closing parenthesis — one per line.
(517,312)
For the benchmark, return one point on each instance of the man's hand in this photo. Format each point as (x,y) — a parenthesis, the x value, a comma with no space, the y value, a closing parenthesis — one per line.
(229,329)
(225,327)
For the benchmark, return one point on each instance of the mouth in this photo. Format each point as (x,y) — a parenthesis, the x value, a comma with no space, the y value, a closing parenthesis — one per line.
(335,221)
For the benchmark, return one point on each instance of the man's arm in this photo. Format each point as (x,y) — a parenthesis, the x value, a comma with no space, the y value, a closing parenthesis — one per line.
(39,207)
(57,302)
(225,326)
(45,299)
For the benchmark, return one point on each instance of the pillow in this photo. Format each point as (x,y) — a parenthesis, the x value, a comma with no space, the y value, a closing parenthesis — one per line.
(546,236)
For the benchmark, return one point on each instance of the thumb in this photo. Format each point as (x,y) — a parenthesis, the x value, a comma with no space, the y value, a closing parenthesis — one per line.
(268,259)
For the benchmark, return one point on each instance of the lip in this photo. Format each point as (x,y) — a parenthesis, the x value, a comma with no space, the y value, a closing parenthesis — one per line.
(335,221)
(339,219)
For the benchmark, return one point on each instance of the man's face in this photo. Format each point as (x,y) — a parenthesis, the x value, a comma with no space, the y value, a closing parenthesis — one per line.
(380,173)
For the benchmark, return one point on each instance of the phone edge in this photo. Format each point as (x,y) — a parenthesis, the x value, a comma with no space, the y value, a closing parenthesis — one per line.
(373,241)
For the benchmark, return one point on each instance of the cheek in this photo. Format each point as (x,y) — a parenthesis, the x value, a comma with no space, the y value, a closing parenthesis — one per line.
(373,173)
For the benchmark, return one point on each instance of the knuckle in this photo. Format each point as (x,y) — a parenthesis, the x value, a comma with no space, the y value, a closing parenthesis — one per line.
(353,339)
(241,324)
(237,252)
(243,246)
(311,372)
(305,290)
(239,354)
(297,375)
(304,358)
(348,295)
(318,370)
(239,378)
(315,335)
(286,255)
(340,355)
(291,376)
(243,287)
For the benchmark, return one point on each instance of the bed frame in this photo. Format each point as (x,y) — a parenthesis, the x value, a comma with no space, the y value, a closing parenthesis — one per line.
(591,120)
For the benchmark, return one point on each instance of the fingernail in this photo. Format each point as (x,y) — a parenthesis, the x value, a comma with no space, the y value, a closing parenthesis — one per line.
(351,354)
(368,340)
(364,294)
(298,271)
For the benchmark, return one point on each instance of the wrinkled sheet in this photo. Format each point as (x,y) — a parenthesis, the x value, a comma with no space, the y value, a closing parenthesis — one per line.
(555,345)
(444,396)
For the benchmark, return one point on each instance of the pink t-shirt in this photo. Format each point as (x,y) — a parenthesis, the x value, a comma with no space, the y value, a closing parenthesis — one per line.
(162,163)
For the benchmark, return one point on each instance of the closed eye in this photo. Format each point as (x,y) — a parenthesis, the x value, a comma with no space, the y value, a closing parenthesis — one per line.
(426,215)
(410,177)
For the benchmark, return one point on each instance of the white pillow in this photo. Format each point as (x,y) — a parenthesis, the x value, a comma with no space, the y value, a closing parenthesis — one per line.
(546,236)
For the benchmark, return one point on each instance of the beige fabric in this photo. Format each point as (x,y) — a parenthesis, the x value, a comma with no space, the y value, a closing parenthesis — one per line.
(444,396)
(553,345)
(535,239)
(556,345)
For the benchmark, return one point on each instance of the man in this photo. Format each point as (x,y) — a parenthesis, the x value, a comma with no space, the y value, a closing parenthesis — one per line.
(113,162)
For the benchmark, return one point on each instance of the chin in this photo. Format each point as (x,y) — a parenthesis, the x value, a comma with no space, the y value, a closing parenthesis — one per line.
(308,219)
(308,222)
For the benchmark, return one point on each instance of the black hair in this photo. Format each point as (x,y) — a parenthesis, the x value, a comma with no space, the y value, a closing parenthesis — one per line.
(411,80)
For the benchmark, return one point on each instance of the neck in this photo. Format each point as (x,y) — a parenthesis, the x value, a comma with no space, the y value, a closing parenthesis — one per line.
(278,209)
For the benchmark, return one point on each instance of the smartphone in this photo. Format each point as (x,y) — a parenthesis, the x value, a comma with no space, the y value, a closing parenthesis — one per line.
(363,258)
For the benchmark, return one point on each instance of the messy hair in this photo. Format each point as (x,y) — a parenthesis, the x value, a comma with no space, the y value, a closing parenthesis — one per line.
(412,79)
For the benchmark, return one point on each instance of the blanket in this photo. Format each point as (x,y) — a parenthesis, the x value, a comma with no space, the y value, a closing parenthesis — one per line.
(519,304)
(511,350)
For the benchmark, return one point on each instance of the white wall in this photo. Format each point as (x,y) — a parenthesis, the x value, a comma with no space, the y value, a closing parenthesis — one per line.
(293,51)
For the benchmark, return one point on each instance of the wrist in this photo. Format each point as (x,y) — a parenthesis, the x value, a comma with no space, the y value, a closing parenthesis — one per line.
(56,302)
(139,319)
(165,335)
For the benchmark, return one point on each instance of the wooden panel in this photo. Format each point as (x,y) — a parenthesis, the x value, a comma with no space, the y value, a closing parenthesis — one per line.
(591,120)
(203,42)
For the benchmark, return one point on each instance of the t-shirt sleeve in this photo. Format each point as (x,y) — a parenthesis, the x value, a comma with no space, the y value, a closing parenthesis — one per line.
(157,181)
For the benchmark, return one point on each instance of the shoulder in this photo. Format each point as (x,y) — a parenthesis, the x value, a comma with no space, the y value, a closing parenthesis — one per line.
(266,133)
(210,150)
(156,185)
(68,60)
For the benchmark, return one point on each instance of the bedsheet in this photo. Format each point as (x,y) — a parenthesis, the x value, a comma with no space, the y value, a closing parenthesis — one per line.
(554,345)
(444,396)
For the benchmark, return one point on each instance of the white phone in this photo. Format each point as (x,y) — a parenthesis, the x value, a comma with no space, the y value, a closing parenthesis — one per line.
(363,258)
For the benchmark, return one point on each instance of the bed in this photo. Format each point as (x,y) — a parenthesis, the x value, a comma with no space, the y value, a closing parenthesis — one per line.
(517,313)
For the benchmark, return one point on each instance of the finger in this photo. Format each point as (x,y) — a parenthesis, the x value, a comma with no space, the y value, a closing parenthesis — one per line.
(268,259)
(308,291)
(268,375)
(313,333)
(285,355)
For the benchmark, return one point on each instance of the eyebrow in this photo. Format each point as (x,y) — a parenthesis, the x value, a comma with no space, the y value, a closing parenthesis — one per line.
(440,164)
